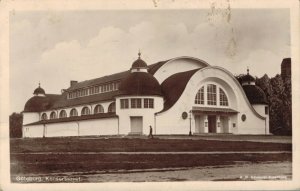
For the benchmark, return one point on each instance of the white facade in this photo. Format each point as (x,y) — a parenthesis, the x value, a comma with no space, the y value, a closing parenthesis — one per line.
(237,116)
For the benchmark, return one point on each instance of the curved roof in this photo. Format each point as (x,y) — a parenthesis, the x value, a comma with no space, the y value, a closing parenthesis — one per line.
(40,103)
(247,78)
(139,63)
(173,87)
(39,90)
(140,83)
(255,94)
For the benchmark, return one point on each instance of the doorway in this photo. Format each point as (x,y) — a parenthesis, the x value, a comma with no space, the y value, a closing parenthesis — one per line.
(212,124)
(136,125)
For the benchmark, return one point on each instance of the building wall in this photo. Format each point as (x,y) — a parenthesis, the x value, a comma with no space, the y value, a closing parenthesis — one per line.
(254,124)
(107,126)
(146,113)
(30,117)
(176,65)
(91,106)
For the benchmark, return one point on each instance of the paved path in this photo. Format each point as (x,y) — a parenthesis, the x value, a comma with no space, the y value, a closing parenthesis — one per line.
(158,153)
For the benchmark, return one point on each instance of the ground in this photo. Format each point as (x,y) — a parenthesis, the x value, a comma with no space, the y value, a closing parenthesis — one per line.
(164,158)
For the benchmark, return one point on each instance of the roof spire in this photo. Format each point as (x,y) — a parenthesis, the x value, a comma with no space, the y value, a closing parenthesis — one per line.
(247,70)
(139,54)
(39,84)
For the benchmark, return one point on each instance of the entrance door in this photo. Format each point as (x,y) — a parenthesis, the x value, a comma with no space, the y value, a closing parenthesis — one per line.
(136,124)
(212,124)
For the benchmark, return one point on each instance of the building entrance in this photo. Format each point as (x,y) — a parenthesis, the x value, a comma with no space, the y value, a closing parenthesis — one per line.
(212,124)
(136,124)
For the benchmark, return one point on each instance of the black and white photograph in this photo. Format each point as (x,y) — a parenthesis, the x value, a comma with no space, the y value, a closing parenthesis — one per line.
(150,92)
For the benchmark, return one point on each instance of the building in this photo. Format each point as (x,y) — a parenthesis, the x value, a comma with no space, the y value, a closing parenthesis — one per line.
(182,95)
(286,69)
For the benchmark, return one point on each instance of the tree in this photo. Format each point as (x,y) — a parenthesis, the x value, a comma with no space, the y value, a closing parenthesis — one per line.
(15,125)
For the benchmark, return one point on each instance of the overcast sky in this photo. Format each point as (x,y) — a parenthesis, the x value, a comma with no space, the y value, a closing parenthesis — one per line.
(56,47)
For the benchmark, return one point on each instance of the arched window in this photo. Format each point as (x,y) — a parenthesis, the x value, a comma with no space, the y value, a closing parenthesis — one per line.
(112,107)
(62,114)
(223,98)
(211,94)
(98,109)
(44,116)
(73,113)
(85,111)
(53,115)
(199,99)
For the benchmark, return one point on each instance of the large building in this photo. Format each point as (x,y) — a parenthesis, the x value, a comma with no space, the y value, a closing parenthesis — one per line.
(182,95)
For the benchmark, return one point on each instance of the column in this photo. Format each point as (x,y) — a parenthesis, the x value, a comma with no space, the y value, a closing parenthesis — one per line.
(205,125)
(218,124)
(229,125)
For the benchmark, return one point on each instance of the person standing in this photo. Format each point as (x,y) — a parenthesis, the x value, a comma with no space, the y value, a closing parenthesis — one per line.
(150,133)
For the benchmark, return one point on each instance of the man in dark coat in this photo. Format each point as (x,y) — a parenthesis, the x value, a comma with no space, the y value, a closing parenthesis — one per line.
(150,133)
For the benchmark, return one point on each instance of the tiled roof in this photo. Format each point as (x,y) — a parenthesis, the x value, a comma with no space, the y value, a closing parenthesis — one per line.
(41,103)
(255,94)
(77,118)
(101,80)
(174,86)
(59,101)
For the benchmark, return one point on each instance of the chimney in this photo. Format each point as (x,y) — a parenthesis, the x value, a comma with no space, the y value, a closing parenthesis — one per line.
(73,82)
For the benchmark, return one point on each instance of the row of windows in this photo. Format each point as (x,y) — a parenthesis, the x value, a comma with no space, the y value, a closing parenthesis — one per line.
(84,111)
(211,92)
(94,90)
(137,103)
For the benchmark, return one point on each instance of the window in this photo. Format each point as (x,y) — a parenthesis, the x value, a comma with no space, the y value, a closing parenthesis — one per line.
(112,107)
(53,115)
(266,110)
(146,103)
(136,103)
(211,94)
(62,114)
(96,89)
(91,90)
(133,103)
(139,103)
(44,116)
(151,103)
(124,103)
(223,98)
(85,111)
(98,109)
(200,96)
(73,113)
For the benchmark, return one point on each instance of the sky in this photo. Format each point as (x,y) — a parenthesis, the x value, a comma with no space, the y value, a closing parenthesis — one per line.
(54,47)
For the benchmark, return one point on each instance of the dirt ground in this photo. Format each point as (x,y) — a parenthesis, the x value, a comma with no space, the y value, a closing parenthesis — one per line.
(242,172)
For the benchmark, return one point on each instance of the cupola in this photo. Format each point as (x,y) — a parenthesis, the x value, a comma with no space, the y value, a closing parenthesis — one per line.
(139,65)
(248,79)
(39,91)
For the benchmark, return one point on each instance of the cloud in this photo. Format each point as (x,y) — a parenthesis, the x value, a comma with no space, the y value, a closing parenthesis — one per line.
(55,49)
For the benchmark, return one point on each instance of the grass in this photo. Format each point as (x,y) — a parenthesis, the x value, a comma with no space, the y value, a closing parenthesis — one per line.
(28,157)
(138,145)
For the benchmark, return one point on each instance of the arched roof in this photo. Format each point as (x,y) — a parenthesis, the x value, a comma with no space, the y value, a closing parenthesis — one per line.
(140,83)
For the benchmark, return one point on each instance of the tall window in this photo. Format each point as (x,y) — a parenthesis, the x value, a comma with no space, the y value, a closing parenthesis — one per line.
(85,111)
(136,103)
(44,116)
(211,94)
(223,98)
(148,103)
(124,103)
(73,113)
(62,114)
(200,96)
(98,109)
(112,107)
(53,115)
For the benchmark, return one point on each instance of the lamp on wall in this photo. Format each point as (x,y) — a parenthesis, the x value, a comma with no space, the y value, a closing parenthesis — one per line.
(190,117)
